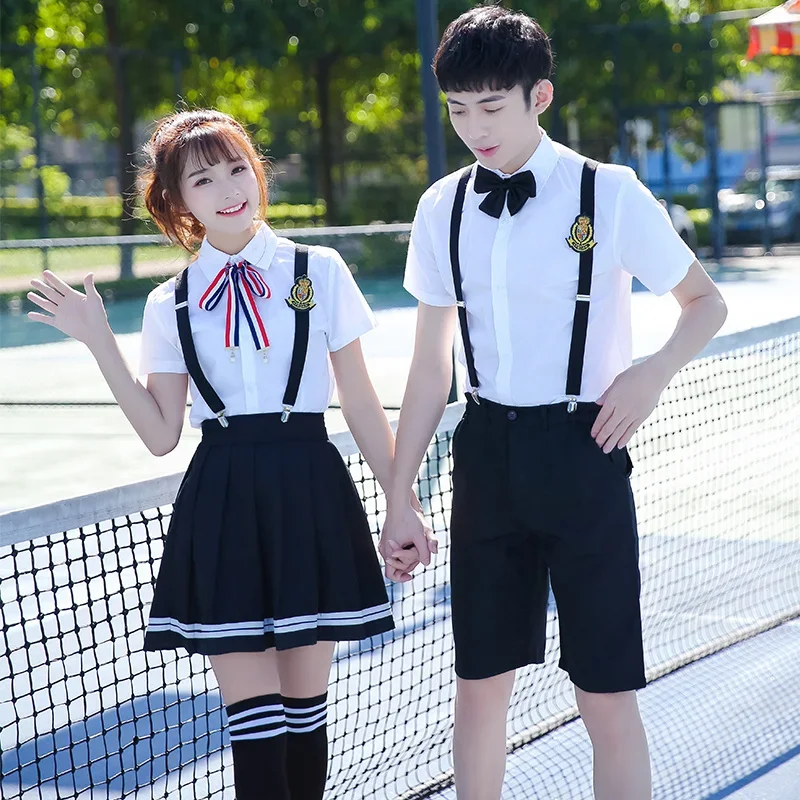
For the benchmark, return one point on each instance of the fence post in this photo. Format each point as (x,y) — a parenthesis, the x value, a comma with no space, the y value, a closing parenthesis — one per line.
(766,233)
(712,137)
(37,134)
(177,75)
(663,123)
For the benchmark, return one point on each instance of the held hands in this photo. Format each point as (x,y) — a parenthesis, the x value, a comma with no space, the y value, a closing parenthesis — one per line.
(81,316)
(406,540)
(627,403)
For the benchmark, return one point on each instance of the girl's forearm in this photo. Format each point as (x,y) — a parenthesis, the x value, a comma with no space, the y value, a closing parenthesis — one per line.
(136,402)
(372,432)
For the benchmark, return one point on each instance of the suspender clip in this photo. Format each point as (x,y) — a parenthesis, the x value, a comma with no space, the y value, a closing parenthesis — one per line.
(287,410)
(461,304)
(572,405)
(475,396)
(222,420)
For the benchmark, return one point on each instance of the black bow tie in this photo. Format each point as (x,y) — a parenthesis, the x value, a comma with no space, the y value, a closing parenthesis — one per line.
(518,187)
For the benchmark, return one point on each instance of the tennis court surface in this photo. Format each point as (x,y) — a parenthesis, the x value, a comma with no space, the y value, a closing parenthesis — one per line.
(85,713)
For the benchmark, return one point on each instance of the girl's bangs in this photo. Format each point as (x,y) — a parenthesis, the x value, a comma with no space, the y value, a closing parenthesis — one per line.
(207,146)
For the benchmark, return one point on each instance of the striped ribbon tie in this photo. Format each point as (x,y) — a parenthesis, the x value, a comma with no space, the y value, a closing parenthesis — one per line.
(241,283)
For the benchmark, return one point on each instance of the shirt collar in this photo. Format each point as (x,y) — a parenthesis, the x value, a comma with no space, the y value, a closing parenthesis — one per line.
(259,252)
(541,163)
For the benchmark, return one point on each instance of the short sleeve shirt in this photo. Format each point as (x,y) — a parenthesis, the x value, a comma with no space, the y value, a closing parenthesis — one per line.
(520,276)
(249,384)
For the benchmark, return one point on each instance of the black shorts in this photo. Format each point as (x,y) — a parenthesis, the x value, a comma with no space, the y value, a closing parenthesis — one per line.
(537,502)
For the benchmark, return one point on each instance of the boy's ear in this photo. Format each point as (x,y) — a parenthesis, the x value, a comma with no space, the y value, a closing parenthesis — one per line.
(541,96)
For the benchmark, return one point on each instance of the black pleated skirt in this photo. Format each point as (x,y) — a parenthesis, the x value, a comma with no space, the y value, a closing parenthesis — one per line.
(268,545)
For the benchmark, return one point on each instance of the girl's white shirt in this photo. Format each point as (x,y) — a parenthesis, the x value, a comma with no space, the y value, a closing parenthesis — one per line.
(249,384)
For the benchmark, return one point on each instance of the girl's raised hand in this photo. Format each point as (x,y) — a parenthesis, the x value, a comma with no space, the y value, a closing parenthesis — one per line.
(81,316)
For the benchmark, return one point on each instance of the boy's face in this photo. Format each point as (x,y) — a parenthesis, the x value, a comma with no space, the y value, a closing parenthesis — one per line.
(498,126)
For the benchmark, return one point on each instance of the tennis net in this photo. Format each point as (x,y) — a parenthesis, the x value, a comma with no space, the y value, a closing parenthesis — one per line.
(85,713)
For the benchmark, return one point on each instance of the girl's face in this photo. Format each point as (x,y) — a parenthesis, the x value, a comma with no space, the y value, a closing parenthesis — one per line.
(224,197)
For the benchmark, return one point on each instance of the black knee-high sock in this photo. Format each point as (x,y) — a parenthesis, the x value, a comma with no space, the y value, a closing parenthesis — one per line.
(258,740)
(306,746)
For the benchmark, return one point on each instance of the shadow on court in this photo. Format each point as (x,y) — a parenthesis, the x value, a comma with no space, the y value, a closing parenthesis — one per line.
(125,747)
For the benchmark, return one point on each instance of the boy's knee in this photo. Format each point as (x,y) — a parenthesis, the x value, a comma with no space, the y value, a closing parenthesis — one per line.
(486,695)
(608,717)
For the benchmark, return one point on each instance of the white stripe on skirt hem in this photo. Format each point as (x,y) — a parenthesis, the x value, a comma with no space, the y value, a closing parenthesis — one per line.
(201,630)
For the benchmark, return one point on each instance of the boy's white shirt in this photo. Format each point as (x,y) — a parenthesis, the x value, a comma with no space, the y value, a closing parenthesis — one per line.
(520,276)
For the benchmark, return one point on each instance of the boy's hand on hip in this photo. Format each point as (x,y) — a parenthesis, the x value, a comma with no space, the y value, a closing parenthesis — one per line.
(626,404)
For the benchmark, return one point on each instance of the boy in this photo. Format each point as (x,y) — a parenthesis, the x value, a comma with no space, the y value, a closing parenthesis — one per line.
(531,252)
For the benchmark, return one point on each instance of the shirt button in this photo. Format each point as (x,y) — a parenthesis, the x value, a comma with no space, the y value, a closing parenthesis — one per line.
(512,415)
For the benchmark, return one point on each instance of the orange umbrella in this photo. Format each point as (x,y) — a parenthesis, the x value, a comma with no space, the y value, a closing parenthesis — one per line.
(777,32)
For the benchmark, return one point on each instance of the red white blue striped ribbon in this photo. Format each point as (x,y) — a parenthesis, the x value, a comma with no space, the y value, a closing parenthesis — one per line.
(241,283)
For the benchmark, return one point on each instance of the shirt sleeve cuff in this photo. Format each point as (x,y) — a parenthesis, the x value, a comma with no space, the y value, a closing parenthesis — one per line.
(356,332)
(670,281)
(429,298)
(152,367)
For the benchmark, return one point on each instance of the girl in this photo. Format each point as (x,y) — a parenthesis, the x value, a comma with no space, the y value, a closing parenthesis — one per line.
(268,559)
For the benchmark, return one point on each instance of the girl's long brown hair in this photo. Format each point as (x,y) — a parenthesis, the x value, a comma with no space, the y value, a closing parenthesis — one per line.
(207,136)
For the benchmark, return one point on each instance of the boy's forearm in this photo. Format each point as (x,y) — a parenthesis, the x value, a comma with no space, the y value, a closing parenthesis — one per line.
(699,321)
(423,405)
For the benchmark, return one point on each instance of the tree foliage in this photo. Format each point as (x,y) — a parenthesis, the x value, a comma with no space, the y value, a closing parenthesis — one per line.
(339,80)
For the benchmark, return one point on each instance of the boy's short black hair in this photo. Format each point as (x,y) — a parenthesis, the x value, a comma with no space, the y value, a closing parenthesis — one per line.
(491,48)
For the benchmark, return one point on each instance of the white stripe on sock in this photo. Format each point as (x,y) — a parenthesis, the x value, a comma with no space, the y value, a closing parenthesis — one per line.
(294,712)
(300,723)
(261,735)
(262,710)
(294,729)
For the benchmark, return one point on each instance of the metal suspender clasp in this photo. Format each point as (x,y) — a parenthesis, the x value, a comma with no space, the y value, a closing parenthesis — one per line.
(287,410)
(461,304)
(475,396)
(222,420)
(572,404)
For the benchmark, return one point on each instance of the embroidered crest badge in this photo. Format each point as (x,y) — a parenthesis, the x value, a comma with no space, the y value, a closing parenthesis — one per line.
(301,298)
(581,234)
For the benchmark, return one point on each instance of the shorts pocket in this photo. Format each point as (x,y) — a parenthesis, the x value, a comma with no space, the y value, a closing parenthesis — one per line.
(455,435)
(620,457)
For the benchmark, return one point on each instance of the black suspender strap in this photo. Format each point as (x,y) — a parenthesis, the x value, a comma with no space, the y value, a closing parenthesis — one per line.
(207,392)
(455,264)
(301,325)
(582,240)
